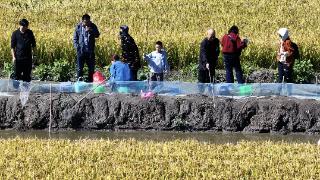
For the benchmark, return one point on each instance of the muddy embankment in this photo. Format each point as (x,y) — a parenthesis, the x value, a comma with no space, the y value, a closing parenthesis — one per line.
(191,113)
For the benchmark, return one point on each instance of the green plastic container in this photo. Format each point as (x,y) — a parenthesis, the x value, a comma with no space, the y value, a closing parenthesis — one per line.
(245,90)
(100,89)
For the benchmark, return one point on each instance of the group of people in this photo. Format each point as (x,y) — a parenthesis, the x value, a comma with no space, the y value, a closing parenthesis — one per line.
(126,66)
(232,46)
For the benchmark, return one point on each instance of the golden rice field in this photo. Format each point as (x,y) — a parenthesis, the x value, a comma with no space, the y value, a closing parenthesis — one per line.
(179,159)
(180,24)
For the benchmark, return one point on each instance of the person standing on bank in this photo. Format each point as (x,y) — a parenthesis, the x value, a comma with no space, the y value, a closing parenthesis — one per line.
(84,39)
(23,47)
(232,46)
(157,62)
(130,52)
(209,53)
(285,57)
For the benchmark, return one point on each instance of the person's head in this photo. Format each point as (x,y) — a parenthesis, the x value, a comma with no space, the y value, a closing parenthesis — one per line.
(234,29)
(24,24)
(86,20)
(283,33)
(211,34)
(159,46)
(116,57)
(124,29)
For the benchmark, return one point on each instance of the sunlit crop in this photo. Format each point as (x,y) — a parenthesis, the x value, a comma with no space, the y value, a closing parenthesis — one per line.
(132,159)
(180,24)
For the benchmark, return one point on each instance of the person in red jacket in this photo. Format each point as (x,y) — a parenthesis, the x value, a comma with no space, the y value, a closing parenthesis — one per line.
(232,46)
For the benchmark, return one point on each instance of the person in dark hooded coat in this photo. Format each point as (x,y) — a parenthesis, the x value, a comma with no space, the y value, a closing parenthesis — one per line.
(130,52)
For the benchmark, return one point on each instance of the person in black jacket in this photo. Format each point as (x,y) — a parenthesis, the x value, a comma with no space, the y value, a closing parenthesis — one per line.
(130,52)
(23,46)
(209,53)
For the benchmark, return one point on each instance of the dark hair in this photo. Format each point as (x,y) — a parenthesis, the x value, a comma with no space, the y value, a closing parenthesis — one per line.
(234,29)
(24,23)
(124,29)
(115,57)
(85,17)
(159,43)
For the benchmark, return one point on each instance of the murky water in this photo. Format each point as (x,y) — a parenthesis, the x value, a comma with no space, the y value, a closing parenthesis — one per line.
(217,138)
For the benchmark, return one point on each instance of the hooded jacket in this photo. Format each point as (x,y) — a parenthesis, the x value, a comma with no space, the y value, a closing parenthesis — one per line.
(232,44)
(130,52)
(285,49)
(79,38)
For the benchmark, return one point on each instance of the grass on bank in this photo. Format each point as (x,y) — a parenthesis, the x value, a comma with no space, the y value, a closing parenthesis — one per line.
(132,159)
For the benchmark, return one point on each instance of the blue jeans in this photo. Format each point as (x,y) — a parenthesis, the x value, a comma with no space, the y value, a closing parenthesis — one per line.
(233,61)
(89,59)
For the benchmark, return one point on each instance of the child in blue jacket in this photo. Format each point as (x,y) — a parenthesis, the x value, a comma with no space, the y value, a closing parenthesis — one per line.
(119,70)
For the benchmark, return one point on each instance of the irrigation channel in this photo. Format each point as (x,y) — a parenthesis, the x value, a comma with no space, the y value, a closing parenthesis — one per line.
(160,106)
(157,136)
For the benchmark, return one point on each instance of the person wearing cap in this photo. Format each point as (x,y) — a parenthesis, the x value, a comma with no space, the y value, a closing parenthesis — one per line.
(84,39)
(130,52)
(23,46)
(119,71)
(157,62)
(209,53)
(285,57)
(232,47)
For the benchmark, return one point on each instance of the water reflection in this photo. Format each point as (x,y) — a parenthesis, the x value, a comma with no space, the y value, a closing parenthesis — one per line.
(210,137)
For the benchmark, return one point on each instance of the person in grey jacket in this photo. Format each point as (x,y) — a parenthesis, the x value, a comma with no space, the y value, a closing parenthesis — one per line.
(84,42)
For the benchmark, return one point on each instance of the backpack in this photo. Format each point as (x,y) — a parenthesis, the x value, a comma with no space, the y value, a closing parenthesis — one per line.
(296,53)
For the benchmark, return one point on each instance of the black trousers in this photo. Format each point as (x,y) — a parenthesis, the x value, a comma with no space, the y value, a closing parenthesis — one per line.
(204,77)
(134,75)
(22,70)
(285,73)
(89,59)
(233,61)
(156,76)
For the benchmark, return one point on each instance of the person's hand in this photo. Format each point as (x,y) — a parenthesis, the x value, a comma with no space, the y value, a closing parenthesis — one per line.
(208,66)
(88,29)
(245,41)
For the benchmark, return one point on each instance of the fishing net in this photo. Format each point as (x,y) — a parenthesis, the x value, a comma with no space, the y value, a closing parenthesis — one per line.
(24,88)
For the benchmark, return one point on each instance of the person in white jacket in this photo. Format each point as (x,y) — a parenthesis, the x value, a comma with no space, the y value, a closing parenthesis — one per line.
(157,62)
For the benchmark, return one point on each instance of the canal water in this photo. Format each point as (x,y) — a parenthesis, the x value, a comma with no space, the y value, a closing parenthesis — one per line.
(210,137)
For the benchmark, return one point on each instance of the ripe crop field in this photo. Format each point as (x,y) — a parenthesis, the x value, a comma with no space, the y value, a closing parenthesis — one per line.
(180,24)
(132,159)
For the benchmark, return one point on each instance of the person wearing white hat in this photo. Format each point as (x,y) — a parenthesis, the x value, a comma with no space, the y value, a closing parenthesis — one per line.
(285,57)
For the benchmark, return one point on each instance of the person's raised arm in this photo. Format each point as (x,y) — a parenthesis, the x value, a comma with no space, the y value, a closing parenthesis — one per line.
(13,47)
(95,31)
(76,38)
(203,54)
(166,64)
